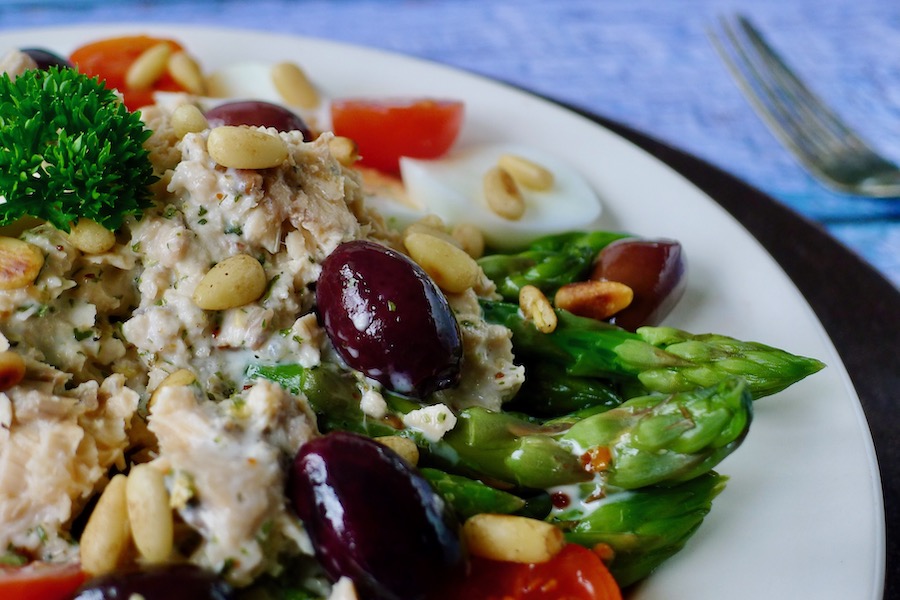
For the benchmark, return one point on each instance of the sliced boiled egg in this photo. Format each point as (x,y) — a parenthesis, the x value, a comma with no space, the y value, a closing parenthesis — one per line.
(452,188)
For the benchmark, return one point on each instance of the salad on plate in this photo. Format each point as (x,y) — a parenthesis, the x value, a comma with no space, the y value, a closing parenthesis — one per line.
(260,342)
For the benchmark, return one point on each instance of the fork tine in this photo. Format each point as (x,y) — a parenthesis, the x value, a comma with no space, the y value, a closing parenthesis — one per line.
(751,72)
(796,90)
(812,131)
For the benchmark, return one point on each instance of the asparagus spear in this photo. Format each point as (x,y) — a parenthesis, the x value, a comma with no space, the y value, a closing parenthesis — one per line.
(643,527)
(650,439)
(470,497)
(655,439)
(548,263)
(661,359)
(549,391)
(501,446)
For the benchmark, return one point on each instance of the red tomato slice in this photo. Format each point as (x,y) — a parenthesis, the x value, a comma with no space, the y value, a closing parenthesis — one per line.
(576,573)
(110,58)
(40,581)
(385,130)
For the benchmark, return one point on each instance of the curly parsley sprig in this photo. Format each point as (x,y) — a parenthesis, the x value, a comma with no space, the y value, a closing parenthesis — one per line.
(69,149)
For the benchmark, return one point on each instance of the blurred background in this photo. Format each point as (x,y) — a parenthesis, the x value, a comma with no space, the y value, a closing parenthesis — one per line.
(648,64)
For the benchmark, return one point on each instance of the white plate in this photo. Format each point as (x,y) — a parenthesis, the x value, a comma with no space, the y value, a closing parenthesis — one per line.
(802,515)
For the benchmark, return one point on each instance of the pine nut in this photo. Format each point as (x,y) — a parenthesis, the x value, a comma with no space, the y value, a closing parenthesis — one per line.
(179,377)
(526,172)
(405,447)
(503,195)
(537,308)
(451,268)
(91,237)
(186,72)
(20,263)
(294,86)
(234,282)
(512,538)
(244,148)
(595,299)
(148,67)
(12,369)
(187,118)
(106,539)
(432,225)
(469,238)
(149,513)
(344,150)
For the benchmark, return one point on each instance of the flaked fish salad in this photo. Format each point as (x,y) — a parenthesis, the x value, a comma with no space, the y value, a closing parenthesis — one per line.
(236,363)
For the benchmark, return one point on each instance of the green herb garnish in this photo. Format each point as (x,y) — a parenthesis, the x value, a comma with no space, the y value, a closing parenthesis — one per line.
(70,149)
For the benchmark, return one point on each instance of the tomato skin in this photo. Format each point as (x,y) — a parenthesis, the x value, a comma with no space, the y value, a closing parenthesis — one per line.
(386,129)
(576,573)
(41,581)
(109,59)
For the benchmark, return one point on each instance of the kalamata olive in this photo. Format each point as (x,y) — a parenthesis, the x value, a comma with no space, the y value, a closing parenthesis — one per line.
(257,114)
(163,582)
(373,518)
(653,269)
(46,59)
(388,319)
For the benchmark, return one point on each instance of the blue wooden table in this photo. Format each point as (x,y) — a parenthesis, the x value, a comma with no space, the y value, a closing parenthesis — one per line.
(644,63)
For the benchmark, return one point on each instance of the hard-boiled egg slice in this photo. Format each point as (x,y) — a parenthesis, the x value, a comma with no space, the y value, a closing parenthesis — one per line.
(452,188)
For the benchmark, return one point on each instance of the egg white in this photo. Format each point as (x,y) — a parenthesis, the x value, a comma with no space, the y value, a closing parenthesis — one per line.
(451,187)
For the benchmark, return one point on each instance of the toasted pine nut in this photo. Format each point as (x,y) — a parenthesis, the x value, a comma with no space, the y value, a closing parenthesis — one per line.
(148,67)
(594,299)
(245,148)
(236,281)
(469,238)
(452,269)
(149,513)
(405,447)
(12,369)
(503,195)
(91,237)
(294,86)
(187,118)
(344,150)
(537,308)
(179,377)
(20,263)
(526,172)
(106,540)
(186,72)
(512,538)
(431,224)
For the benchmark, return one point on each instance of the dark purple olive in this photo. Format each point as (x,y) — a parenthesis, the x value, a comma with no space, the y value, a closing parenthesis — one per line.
(373,518)
(257,114)
(163,582)
(46,59)
(388,319)
(653,269)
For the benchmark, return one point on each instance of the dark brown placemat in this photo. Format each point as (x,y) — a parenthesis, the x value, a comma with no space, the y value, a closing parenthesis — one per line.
(858,307)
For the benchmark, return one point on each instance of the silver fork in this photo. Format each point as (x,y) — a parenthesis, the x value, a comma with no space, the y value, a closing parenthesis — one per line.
(821,141)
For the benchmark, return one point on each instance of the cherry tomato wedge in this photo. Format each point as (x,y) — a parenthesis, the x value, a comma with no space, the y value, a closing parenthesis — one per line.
(40,581)
(576,573)
(386,129)
(109,59)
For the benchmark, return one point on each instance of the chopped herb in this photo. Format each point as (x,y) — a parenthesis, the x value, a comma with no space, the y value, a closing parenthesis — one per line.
(82,335)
